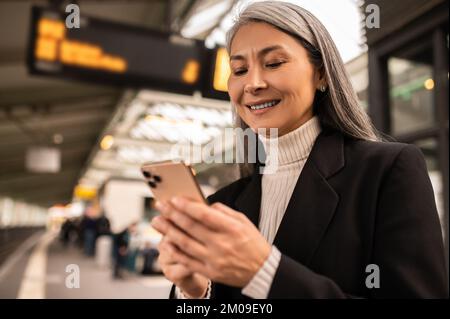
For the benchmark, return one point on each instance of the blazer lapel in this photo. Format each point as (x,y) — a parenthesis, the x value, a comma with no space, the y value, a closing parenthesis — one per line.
(313,200)
(249,200)
(312,204)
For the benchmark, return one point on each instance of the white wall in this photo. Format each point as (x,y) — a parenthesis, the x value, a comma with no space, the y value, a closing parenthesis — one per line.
(123,202)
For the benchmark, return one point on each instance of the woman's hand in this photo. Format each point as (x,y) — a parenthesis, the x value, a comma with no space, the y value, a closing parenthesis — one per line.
(193,285)
(215,241)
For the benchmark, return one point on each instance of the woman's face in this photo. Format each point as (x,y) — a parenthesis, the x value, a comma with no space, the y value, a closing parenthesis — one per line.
(272,83)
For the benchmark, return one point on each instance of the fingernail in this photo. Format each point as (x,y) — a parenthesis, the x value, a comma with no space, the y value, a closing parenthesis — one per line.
(158,205)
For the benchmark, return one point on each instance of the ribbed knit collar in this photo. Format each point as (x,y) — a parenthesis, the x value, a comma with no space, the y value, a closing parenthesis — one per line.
(296,145)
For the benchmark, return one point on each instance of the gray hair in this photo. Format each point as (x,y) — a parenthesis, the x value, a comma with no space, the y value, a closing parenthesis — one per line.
(337,108)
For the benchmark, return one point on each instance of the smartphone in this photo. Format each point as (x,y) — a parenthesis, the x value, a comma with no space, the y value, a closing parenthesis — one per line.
(168,179)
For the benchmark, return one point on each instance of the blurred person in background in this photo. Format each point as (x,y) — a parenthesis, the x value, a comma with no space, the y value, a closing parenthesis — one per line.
(340,201)
(104,241)
(103,226)
(88,228)
(134,243)
(120,249)
(150,256)
(68,232)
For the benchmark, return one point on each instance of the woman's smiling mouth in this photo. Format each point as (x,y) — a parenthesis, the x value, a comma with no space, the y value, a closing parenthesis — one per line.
(260,107)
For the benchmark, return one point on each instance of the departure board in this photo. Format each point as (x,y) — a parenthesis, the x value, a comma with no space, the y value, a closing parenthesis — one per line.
(111,53)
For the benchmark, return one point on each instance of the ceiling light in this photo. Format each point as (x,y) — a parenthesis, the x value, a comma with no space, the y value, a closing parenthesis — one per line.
(58,138)
(107,142)
(205,19)
(429,84)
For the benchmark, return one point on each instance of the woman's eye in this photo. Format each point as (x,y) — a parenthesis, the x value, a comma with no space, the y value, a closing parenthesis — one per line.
(274,64)
(239,71)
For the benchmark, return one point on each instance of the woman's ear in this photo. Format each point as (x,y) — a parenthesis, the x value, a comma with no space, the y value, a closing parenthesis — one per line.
(322,75)
(322,82)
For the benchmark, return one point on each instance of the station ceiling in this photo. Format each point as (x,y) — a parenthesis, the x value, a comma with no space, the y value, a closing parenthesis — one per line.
(41,111)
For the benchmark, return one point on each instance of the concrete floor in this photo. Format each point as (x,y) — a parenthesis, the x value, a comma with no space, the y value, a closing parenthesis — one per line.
(94,282)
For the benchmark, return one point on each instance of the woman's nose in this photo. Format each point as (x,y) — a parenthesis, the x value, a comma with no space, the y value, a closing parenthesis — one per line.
(255,82)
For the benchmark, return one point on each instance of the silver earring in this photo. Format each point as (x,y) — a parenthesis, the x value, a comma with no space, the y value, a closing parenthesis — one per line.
(322,88)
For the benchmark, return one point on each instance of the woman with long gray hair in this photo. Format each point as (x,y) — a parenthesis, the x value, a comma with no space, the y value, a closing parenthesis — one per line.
(343,214)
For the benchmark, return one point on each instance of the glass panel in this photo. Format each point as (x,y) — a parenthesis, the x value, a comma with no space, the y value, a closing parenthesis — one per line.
(430,151)
(411,90)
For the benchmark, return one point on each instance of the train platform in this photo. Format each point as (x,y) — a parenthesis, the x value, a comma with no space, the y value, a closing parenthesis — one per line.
(42,268)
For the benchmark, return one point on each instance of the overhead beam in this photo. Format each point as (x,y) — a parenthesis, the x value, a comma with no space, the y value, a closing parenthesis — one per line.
(67,149)
(62,179)
(51,95)
(70,135)
(58,121)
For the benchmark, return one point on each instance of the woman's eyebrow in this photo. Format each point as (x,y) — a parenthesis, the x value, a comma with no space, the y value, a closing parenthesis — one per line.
(261,52)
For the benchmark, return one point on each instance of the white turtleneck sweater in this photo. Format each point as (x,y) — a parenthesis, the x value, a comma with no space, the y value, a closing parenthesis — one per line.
(276,191)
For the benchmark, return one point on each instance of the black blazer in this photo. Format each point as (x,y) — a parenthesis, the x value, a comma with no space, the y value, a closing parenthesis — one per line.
(355,203)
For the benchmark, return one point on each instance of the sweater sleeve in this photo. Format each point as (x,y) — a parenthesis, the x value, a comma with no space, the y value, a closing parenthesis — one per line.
(259,286)
(178,293)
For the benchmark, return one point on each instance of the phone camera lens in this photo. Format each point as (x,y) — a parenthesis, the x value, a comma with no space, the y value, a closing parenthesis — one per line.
(152,184)
(157,178)
(147,174)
